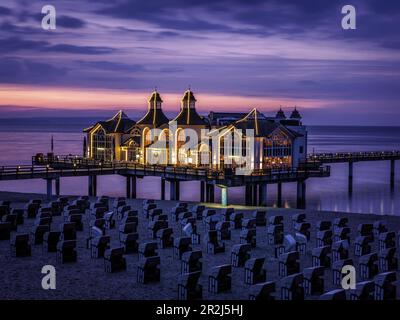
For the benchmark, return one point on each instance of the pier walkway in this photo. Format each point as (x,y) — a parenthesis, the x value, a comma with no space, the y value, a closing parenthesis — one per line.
(340,157)
(318,159)
(55,167)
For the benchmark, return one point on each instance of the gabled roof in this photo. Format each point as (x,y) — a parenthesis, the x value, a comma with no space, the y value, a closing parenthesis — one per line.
(155,116)
(291,133)
(258,122)
(261,125)
(119,123)
(135,140)
(188,114)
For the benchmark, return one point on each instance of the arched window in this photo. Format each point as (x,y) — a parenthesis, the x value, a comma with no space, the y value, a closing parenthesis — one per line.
(165,135)
(204,154)
(102,145)
(133,151)
(146,137)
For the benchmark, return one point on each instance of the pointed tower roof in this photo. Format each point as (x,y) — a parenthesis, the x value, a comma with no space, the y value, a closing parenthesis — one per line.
(295,114)
(119,123)
(188,114)
(188,96)
(155,116)
(155,97)
(280,114)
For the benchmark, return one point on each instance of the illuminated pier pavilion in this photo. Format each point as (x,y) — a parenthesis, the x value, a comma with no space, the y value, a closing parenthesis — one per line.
(279,142)
(221,143)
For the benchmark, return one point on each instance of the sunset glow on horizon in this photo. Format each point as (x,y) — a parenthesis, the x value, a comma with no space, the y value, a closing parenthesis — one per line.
(78,99)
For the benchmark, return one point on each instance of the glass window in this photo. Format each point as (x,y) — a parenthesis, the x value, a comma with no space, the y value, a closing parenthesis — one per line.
(102,146)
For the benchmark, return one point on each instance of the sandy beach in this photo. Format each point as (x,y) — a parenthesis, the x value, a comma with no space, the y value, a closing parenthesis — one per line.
(20,278)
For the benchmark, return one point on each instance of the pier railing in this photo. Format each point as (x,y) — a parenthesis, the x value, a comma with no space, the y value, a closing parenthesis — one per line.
(69,165)
(313,160)
(353,156)
(50,171)
(80,161)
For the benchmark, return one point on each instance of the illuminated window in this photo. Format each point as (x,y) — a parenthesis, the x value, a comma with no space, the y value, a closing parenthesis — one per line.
(102,146)
(277,151)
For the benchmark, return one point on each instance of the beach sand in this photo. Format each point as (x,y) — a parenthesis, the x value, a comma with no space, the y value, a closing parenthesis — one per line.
(20,278)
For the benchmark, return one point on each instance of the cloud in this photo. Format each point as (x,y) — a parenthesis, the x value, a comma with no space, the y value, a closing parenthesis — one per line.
(4,11)
(111,66)
(17,70)
(12,45)
(70,22)
(68,48)
(377,20)
(271,48)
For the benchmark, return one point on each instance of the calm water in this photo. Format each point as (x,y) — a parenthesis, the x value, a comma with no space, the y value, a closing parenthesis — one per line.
(19,139)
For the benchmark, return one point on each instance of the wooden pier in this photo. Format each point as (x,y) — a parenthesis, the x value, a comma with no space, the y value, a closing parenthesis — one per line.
(352,157)
(52,169)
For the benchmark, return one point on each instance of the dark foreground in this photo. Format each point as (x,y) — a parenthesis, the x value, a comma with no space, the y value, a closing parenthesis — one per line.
(20,278)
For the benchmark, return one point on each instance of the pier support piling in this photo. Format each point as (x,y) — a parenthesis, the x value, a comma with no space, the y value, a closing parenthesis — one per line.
(95,186)
(254,195)
(350,177)
(262,194)
(162,189)
(128,187)
(133,187)
(248,194)
(92,184)
(202,190)
(57,183)
(174,190)
(301,194)
(209,192)
(49,188)
(279,195)
(392,174)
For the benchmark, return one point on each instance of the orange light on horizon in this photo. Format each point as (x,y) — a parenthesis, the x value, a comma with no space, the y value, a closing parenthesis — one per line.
(92,99)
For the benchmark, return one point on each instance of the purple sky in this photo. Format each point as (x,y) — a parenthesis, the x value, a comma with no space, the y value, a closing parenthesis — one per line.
(254,53)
